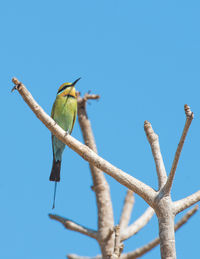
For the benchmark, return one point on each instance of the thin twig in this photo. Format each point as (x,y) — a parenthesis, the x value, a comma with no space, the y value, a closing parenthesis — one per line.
(138,224)
(127,210)
(71,225)
(146,248)
(186,202)
(155,147)
(189,118)
(143,190)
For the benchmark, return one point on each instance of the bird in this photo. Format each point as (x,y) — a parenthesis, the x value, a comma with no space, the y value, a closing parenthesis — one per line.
(64,112)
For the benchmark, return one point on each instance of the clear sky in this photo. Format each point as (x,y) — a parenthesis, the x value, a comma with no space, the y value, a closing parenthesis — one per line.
(143,58)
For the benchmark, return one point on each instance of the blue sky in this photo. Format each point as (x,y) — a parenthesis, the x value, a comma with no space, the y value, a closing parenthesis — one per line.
(143,58)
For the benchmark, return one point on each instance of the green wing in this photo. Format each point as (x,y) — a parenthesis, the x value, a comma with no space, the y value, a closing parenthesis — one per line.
(74,119)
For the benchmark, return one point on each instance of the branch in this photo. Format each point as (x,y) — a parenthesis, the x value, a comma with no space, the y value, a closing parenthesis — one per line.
(186,217)
(146,248)
(185,203)
(100,185)
(118,247)
(138,224)
(189,118)
(143,190)
(155,147)
(126,211)
(71,225)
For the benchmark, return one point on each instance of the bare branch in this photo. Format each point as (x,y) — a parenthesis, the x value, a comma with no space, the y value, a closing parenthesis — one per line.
(189,118)
(155,147)
(185,203)
(127,210)
(143,190)
(71,225)
(146,248)
(185,218)
(100,185)
(138,224)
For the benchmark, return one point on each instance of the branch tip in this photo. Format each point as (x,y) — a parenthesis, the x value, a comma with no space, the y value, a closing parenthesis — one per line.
(188,112)
(17,84)
(15,81)
(151,135)
(147,124)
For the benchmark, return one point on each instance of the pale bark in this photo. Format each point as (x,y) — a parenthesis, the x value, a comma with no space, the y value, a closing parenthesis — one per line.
(142,189)
(185,203)
(118,247)
(71,225)
(163,204)
(138,224)
(127,210)
(189,118)
(160,201)
(148,247)
(100,185)
(155,147)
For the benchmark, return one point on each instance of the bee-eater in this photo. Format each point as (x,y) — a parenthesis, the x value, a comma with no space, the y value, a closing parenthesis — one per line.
(64,113)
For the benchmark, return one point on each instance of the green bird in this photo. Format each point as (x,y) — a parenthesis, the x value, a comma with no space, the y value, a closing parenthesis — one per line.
(64,113)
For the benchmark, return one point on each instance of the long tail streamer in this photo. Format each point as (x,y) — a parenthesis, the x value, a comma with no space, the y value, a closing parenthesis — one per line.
(54,196)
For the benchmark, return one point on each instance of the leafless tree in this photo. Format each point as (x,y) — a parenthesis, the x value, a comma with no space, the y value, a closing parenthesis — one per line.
(109,236)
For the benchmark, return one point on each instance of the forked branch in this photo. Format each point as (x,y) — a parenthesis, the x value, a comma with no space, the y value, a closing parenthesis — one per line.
(143,190)
(148,247)
(160,201)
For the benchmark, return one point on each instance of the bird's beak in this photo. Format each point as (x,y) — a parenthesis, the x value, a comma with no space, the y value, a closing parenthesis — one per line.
(73,84)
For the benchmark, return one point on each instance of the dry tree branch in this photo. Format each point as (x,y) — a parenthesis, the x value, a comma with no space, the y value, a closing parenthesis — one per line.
(100,185)
(185,203)
(155,147)
(160,201)
(127,210)
(189,118)
(146,248)
(71,225)
(138,224)
(143,190)
(117,246)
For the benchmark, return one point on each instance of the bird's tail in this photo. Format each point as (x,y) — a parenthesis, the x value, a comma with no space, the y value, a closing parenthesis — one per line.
(55,171)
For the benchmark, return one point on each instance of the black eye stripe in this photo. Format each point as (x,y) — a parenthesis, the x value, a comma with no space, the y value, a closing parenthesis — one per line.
(64,87)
